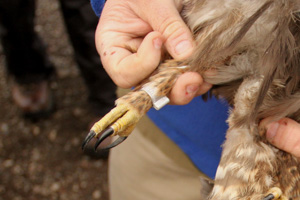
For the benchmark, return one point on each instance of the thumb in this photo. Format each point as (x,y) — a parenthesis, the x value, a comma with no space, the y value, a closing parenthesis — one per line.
(186,87)
(164,17)
(285,135)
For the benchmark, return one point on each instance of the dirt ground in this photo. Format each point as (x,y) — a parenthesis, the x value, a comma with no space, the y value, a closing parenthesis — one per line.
(43,159)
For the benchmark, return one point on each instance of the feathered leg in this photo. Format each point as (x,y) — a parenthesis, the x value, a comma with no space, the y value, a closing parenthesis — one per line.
(247,170)
(131,107)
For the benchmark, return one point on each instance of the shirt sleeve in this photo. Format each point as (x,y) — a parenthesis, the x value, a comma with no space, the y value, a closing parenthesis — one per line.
(97,6)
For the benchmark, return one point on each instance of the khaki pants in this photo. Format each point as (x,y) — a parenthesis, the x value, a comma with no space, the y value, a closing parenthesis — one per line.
(149,166)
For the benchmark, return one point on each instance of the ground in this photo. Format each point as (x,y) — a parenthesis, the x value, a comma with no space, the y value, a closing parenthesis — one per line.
(43,159)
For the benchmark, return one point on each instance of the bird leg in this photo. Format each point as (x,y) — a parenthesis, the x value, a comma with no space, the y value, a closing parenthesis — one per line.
(275,194)
(131,107)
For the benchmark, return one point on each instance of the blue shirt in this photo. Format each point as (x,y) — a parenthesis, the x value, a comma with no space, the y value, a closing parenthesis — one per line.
(197,128)
(97,6)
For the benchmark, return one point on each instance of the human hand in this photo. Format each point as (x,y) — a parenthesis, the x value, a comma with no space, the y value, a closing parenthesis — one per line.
(284,134)
(130,37)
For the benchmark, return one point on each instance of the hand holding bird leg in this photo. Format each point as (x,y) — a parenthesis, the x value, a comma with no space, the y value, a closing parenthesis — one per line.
(130,108)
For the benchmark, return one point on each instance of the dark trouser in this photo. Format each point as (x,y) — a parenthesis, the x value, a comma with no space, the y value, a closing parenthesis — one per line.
(26,56)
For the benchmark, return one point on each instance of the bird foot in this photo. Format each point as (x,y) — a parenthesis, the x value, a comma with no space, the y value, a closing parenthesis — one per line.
(274,193)
(121,120)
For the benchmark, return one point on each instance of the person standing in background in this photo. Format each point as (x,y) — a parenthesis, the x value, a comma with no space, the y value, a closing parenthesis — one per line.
(30,68)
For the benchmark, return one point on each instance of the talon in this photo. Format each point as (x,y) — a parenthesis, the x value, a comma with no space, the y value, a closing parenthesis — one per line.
(120,121)
(88,138)
(115,143)
(269,197)
(108,132)
(273,194)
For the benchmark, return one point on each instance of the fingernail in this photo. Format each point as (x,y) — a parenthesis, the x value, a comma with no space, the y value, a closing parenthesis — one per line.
(157,43)
(272,130)
(183,46)
(191,89)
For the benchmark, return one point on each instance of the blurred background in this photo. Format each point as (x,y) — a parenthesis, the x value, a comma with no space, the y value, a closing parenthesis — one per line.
(43,159)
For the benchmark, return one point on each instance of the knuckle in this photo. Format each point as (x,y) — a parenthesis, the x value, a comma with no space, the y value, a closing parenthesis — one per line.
(171,28)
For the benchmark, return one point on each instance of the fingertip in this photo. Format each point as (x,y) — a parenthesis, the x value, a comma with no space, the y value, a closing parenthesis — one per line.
(272,130)
(149,52)
(179,40)
(151,48)
(183,49)
(180,45)
(186,88)
(275,130)
(157,43)
(285,135)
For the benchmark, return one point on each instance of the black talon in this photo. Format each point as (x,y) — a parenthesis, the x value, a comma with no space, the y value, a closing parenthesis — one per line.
(115,143)
(88,138)
(269,197)
(108,132)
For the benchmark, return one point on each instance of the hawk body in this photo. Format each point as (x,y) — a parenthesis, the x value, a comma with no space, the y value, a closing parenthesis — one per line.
(249,50)
(253,49)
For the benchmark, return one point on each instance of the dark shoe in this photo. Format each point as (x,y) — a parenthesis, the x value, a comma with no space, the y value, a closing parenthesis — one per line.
(35,100)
